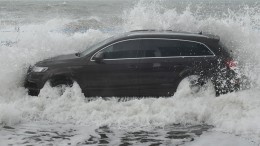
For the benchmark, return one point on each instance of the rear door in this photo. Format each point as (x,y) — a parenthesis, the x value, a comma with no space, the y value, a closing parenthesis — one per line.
(163,62)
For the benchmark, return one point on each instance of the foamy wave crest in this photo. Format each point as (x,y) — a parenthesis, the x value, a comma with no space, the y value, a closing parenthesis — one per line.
(235,113)
(239,30)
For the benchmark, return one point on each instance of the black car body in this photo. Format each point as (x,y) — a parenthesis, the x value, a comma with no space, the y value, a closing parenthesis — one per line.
(139,63)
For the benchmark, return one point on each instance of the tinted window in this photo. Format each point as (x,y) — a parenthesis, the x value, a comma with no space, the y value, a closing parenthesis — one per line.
(125,49)
(167,48)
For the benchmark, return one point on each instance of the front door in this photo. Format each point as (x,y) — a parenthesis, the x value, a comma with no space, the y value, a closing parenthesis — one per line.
(117,73)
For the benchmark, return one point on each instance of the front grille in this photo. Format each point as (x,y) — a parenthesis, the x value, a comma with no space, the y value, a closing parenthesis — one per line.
(30,85)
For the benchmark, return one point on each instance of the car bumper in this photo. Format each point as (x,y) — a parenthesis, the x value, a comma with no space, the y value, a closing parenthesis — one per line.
(35,81)
(228,81)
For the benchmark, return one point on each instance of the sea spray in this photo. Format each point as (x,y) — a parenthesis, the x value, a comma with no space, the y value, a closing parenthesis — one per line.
(236,113)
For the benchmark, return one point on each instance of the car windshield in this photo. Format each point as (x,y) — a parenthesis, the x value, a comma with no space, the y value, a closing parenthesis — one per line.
(96,46)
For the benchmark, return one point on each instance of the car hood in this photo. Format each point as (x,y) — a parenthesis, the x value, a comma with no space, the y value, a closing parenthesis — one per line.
(58,60)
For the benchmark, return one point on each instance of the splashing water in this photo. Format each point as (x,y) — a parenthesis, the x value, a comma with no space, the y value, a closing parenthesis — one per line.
(236,113)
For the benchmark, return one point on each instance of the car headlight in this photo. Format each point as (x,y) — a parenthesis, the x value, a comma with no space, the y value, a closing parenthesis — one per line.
(39,69)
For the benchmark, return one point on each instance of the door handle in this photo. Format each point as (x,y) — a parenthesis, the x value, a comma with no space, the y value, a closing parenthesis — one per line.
(133,67)
(178,65)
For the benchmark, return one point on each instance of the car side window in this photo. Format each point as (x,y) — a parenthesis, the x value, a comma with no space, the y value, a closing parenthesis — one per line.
(125,49)
(194,49)
(168,48)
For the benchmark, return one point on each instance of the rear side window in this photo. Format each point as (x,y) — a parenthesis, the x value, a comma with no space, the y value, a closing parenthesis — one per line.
(125,49)
(168,48)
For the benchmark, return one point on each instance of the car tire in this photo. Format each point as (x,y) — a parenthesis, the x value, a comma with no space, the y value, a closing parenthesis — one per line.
(61,84)
(33,92)
(56,86)
(196,86)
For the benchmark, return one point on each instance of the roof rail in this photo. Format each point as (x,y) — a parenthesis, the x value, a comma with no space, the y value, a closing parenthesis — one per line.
(152,30)
(158,30)
(143,30)
(210,36)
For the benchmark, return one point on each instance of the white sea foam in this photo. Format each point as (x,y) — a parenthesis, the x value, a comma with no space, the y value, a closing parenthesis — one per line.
(236,113)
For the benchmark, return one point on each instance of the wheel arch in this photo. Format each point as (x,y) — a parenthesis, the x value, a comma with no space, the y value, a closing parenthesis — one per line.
(61,78)
(189,72)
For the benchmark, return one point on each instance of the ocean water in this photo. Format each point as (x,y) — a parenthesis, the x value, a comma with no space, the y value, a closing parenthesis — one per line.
(34,30)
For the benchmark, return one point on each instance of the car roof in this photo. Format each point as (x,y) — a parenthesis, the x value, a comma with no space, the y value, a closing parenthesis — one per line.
(150,33)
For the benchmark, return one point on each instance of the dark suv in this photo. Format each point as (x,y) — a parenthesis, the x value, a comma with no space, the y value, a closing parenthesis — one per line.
(140,63)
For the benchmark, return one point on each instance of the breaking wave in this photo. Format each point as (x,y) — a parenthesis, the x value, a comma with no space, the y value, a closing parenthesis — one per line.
(236,113)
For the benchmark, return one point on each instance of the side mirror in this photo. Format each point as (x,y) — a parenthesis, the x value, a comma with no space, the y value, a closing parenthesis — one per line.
(99,57)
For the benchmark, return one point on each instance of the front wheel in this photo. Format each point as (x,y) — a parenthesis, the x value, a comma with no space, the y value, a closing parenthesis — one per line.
(195,86)
(33,92)
(56,86)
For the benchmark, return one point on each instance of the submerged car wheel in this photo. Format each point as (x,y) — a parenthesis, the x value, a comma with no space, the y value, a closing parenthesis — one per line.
(194,85)
(60,84)
(33,92)
(55,86)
